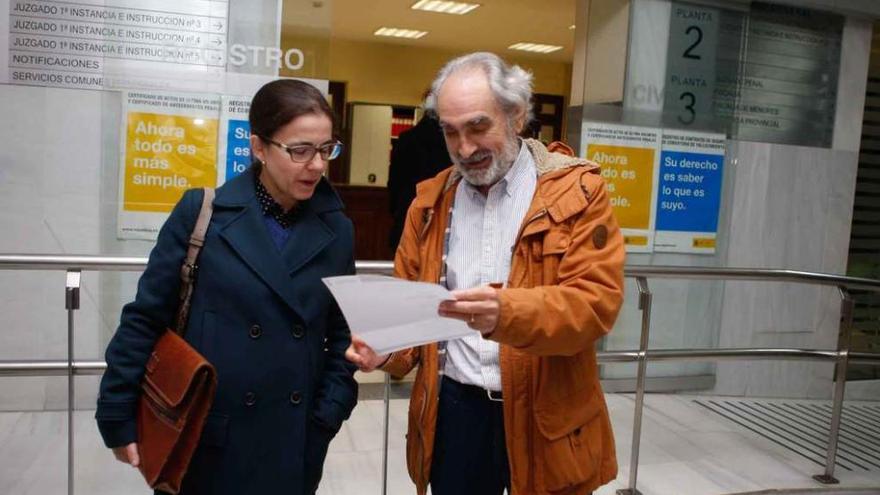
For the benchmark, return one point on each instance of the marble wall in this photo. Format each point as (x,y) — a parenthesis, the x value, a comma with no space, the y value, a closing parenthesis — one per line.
(782,207)
(791,208)
(59,195)
(49,203)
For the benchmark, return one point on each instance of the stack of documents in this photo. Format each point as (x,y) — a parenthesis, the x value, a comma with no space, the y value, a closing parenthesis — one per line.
(390,314)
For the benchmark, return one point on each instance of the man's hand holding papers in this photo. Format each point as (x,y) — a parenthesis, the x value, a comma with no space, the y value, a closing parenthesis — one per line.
(390,314)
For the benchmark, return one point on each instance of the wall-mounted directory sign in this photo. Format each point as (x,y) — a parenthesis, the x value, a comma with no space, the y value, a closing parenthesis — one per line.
(170,145)
(769,74)
(93,44)
(628,156)
(691,64)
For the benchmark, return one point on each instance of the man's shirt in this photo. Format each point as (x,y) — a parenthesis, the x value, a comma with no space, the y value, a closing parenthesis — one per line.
(482,233)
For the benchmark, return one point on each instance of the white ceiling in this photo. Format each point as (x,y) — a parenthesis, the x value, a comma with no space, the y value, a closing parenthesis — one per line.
(494,26)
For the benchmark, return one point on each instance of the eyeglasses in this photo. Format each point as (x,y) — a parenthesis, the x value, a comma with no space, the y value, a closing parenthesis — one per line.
(303,153)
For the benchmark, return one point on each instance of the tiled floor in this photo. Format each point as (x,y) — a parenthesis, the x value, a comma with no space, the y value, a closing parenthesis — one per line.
(686,450)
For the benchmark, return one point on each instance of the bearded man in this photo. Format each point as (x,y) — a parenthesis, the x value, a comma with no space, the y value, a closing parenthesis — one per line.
(525,238)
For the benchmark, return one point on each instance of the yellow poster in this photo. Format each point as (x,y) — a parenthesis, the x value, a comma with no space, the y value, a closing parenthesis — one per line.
(168,144)
(628,174)
(164,156)
(628,158)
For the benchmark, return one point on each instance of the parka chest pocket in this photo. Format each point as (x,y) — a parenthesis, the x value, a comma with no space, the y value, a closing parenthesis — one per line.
(547,251)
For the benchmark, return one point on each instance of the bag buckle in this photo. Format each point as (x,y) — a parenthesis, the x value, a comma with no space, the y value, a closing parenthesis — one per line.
(188,271)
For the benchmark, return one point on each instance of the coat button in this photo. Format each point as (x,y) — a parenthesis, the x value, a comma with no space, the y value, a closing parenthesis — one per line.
(250,399)
(295,397)
(298,331)
(255,332)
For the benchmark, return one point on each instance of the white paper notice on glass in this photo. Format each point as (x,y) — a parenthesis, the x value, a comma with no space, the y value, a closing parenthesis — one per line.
(390,314)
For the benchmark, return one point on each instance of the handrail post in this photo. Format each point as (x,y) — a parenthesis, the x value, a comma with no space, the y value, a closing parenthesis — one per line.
(840,367)
(71,303)
(645,298)
(385,422)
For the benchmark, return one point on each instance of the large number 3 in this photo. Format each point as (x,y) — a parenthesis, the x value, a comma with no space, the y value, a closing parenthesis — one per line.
(687,53)
(689,107)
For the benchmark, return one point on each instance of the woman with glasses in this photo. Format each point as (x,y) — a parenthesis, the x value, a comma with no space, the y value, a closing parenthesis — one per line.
(260,313)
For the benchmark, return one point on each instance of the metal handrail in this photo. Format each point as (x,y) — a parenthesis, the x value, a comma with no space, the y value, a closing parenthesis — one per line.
(72,262)
(50,367)
(134,263)
(841,356)
(753,275)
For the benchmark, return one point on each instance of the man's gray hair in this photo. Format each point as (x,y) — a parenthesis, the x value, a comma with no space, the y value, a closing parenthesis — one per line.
(511,84)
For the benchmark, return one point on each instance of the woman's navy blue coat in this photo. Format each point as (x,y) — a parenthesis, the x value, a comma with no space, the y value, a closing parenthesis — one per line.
(264,319)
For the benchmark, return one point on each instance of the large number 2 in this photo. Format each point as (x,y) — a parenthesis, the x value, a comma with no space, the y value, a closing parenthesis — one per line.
(687,53)
(688,95)
(689,107)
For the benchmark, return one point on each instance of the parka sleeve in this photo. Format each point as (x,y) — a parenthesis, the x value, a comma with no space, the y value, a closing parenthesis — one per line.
(567,318)
(142,322)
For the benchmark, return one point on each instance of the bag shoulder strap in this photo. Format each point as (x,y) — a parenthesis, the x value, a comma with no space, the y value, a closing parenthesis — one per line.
(189,268)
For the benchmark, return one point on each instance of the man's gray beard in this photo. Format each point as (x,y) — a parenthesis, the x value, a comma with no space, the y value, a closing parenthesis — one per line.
(499,167)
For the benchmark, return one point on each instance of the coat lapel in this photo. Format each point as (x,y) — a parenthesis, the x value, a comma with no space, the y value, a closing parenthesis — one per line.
(311,234)
(308,238)
(247,236)
(241,225)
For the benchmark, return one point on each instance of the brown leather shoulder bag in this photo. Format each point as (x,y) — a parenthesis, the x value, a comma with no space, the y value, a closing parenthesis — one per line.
(178,386)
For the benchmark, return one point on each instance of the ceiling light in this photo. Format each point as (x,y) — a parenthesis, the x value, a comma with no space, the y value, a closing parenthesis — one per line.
(399,33)
(459,8)
(535,47)
(572,26)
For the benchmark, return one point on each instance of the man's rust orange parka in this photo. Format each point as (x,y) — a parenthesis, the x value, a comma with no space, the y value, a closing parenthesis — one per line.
(564,293)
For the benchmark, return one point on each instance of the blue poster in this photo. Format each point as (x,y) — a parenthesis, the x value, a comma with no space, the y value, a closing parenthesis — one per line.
(690,191)
(238,147)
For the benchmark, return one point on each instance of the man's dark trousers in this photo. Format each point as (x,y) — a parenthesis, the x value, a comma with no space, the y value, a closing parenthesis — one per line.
(470,456)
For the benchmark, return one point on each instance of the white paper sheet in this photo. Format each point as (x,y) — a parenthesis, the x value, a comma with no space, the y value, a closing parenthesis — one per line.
(391,314)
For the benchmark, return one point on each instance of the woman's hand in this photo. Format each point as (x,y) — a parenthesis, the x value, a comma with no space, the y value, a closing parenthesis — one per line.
(128,454)
(363,355)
